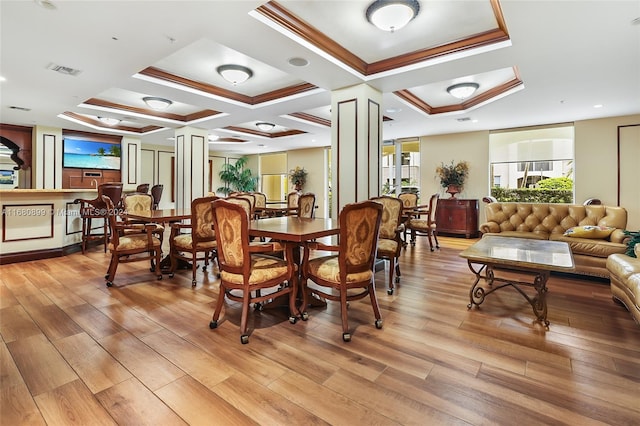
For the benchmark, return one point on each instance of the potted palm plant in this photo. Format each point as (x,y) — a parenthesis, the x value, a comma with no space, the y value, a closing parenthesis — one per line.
(237,178)
(453,176)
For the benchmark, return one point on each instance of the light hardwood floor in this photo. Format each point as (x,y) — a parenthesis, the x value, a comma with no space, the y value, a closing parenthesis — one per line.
(76,352)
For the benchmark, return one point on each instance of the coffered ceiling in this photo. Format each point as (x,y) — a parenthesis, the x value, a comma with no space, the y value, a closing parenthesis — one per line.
(67,63)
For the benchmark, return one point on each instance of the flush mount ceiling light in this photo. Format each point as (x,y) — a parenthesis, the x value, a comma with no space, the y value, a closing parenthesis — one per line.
(265,127)
(234,74)
(462,90)
(391,15)
(157,103)
(109,121)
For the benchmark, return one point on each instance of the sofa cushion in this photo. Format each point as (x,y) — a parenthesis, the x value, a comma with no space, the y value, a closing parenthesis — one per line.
(623,266)
(589,231)
(590,247)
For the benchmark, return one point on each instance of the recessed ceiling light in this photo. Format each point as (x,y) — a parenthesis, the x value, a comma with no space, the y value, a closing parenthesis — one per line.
(636,21)
(393,110)
(109,121)
(298,62)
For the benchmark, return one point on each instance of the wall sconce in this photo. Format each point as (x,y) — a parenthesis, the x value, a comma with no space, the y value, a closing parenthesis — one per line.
(462,90)
(234,74)
(157,103)
(392,15)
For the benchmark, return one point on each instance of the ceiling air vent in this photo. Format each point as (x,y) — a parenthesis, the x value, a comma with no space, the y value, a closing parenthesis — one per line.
(464,119)
(19,108)
(63,70)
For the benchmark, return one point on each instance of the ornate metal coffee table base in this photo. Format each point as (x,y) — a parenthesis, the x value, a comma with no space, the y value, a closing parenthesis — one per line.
(538,302)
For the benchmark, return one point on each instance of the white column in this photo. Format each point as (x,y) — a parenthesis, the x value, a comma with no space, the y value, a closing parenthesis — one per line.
(356,142)
(46,158)
(191,165)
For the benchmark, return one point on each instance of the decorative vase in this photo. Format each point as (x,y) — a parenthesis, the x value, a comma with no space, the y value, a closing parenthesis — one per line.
(453,190)
(298,187)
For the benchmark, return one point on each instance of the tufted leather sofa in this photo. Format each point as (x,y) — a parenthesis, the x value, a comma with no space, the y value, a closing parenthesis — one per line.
(549,222)
(625,280)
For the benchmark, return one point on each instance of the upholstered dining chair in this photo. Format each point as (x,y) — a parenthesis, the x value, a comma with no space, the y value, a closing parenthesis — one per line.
(347,275)
(199,244)
(156,193)
(260,205)
(140,203)
(409,202)
(419,226)
(292,203)
(307,205)
(94,209)
(134,247)
(247,268)
(389,239)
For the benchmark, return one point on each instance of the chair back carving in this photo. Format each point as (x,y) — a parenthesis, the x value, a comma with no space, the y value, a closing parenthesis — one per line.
(143,188)
(307,205)
(156,193)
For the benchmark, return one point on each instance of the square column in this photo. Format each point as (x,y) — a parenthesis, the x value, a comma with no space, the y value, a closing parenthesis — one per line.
(356,143)
(191,165)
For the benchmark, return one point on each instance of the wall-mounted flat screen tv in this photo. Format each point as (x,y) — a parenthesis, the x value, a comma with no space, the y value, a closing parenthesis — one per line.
(86,154)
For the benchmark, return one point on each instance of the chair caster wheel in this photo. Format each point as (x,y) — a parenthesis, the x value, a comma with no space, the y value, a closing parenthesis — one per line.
(193,283)
(390,291)
(171,275)
(346,337)
(293,319)
(432,249)
(244,339)
(379,324)
(397,280)
(305,316)
(109,284)
(106,276)
(258,307)
(213,324)
(159,276)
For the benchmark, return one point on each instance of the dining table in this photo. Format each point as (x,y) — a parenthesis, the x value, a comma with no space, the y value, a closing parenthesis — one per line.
(294,232)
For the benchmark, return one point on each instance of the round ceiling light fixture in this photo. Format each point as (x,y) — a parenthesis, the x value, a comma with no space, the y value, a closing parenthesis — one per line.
(391,15)
(462,90)
(109,121)
(264,126)
(157,103)
(234,74)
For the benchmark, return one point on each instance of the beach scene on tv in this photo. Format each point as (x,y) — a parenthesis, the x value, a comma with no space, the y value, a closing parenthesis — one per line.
(91,155)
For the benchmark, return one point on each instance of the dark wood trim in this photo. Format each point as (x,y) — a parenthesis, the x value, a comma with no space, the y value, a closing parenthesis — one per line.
(134,162)
(153,113)
(290,132)
(311,118)
(48,207)
(423,106)
(98,123)
(26,256)
(287,20)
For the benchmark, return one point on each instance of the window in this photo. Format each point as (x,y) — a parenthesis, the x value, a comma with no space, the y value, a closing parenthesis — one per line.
(522,160)
(400,162)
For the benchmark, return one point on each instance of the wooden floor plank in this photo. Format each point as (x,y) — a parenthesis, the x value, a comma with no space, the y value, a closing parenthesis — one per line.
(142,352)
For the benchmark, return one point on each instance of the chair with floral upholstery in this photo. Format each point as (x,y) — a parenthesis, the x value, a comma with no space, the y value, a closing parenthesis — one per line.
(125,247)
(140,203)
(389,241)
(307,205)
(419,226)
(247,268)
(292,203)
(197,245)
(347,275)
(409,202)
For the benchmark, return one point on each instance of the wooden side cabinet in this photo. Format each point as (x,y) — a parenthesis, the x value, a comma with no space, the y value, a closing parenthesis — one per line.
(457,216)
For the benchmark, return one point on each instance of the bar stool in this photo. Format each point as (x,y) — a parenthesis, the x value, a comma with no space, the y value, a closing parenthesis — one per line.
(97,209)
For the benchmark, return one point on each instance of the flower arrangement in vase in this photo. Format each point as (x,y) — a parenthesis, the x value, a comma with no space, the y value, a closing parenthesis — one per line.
(453,176)
(298,177)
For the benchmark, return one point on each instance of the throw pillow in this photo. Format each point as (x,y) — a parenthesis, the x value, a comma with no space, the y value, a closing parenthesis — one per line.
(633,243)
(589,231)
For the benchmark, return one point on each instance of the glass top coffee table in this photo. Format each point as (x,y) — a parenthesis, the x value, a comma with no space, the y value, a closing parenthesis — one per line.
(536,257)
